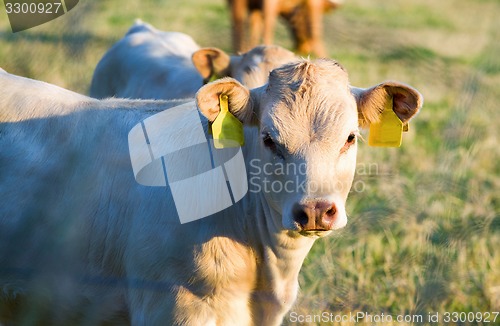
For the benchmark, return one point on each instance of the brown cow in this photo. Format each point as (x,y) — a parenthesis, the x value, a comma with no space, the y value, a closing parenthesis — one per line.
(303,17)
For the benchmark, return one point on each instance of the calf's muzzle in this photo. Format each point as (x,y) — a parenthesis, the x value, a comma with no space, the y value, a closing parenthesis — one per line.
(315,215)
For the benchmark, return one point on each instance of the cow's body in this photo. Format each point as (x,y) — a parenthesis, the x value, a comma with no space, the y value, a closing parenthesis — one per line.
(81,239)
(151,64)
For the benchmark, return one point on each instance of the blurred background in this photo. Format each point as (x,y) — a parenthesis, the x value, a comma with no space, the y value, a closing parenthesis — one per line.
(424,228)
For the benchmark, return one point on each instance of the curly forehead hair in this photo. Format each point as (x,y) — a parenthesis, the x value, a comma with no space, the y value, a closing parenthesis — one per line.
(297,76)
(311,102)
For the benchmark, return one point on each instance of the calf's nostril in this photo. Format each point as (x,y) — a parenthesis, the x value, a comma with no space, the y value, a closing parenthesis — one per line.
(301,217)
(330,214)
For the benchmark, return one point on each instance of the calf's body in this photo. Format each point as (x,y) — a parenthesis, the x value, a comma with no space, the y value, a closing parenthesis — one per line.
(151,64)
(83,242)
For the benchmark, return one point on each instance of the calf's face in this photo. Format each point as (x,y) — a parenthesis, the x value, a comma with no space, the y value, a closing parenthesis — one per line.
(308,127)
(305,155)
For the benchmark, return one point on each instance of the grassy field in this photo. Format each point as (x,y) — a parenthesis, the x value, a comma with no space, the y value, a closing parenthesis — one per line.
(424,229)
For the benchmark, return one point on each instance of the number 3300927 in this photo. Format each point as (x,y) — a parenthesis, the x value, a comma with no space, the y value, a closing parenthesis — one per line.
(33,8)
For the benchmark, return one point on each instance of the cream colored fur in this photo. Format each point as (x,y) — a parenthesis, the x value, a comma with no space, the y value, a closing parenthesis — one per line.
(151,64)
(80,237)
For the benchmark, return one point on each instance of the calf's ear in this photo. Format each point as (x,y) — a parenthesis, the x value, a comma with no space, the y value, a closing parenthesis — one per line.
(242,102)
(211,63)
(406,101)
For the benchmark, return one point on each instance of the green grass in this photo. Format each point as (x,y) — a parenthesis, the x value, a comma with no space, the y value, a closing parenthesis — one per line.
(424,229)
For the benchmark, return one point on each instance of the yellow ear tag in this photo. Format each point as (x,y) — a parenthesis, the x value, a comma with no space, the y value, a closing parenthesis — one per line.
(227,130)
(212,78)
(388,132)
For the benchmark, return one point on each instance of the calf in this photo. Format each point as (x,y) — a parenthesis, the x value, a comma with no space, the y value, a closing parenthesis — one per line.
(84,242)
(151,64)
(303,17)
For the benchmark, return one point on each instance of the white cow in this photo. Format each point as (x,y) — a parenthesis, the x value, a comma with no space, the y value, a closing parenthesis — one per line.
(152,64)
(83,242)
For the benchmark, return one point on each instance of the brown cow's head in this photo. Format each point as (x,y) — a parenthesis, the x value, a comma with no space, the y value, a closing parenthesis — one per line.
(305,152)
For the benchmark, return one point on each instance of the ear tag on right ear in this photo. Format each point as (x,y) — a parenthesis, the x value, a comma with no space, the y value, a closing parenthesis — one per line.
(388,132)
(227,130)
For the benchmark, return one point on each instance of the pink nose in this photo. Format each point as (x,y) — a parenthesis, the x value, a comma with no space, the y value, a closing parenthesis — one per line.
(315,215)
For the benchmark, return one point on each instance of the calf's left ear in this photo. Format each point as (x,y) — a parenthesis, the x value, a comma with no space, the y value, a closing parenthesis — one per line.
(242,102)
(211,63)
(406,101)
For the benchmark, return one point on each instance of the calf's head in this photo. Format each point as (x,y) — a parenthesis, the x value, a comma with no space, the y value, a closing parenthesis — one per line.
(307,116)
(251,68)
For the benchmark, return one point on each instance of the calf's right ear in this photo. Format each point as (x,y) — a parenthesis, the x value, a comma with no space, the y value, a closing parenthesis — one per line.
(242,103)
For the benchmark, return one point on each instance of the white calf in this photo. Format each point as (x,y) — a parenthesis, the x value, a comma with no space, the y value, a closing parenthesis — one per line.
(151,64)
(84,242)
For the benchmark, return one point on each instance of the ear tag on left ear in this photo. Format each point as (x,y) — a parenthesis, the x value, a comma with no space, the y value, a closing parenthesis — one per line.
(388,132)
(212,78)
(227,130)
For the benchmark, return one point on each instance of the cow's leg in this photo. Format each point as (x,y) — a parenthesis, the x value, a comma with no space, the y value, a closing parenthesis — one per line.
(315,18)
(255,28)
(270,16)
(298,24)
(239,13)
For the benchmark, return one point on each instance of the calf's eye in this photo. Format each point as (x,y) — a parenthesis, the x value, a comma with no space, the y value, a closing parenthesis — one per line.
(351,139)
(268,142)
(271,145)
